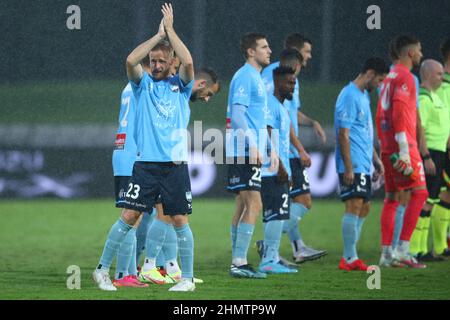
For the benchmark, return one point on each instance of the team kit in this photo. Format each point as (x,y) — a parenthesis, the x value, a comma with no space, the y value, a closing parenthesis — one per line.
(267,163)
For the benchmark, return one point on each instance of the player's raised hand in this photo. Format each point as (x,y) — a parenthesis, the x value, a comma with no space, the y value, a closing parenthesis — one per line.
(167,12)
(162,30)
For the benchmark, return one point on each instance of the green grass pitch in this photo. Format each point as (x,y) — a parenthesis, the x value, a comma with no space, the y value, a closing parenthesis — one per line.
(40,239)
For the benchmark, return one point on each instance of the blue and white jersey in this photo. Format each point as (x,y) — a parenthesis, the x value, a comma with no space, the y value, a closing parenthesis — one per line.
(293,105)
(162,117)
(280,122)
(247,89)
(353,112)
(124,153)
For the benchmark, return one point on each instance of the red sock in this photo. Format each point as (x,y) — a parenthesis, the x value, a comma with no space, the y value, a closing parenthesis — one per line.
(412,213)
(387,221)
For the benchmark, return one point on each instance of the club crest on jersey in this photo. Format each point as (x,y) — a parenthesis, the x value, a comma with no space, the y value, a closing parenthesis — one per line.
(240,92)
(165,110)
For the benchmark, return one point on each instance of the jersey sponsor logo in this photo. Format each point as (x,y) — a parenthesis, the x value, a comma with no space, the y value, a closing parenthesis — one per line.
(228,125)
(175,88)
(119,143)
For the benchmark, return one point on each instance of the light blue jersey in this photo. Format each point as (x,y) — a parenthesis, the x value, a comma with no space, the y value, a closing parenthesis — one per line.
(353,112)
(293,105)
(162,117)
(280,121)
(247,89)
(124,153)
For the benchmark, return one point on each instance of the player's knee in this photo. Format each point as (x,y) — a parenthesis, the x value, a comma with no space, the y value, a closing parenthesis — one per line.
(354,206)
(179,220)
(305,200)
(130,216)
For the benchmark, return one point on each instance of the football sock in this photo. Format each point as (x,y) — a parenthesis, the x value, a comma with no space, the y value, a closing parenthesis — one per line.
(272,236)
(244,234)
(349,234)
(141,232)
(290,226)
(387,221)
(425,231)
(386,251)
(412,212)
(186,250)
(132,267)
(155,238)
(124,255)
(359,226)
(233,231)
(169,249)
(399,214)
(440,221)
(115,237)
(403,248)
(172,266)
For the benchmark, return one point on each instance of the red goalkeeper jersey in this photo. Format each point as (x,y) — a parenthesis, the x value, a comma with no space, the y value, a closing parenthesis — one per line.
(397,110)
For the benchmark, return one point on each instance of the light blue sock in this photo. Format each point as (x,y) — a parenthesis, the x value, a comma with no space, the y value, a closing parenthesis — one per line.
(125,254)
(141,233)
(155,238)
(244,233)
(170,248)
(233,237)
(186,250)
(296,213)
(272,236)
(132,268)
(399,214)
(349,234)
(115,238)
(359,227)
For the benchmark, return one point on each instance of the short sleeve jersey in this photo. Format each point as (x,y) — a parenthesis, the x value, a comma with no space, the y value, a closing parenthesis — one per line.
(247,89)
(124,153)
(397,109)
(162,117)
(292,105)
(280,122)
(353,112)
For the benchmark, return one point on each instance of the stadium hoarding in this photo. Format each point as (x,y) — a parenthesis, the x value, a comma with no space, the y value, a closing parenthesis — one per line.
(67,173)
(75,161)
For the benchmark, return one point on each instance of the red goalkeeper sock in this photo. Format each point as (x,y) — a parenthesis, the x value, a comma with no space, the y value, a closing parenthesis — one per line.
(387,221)
(412,212)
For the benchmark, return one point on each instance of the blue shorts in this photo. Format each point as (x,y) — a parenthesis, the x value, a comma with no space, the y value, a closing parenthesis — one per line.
(361,187)
(300,179)
(166,181)
(120,189)
(244,177)
(275,199)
